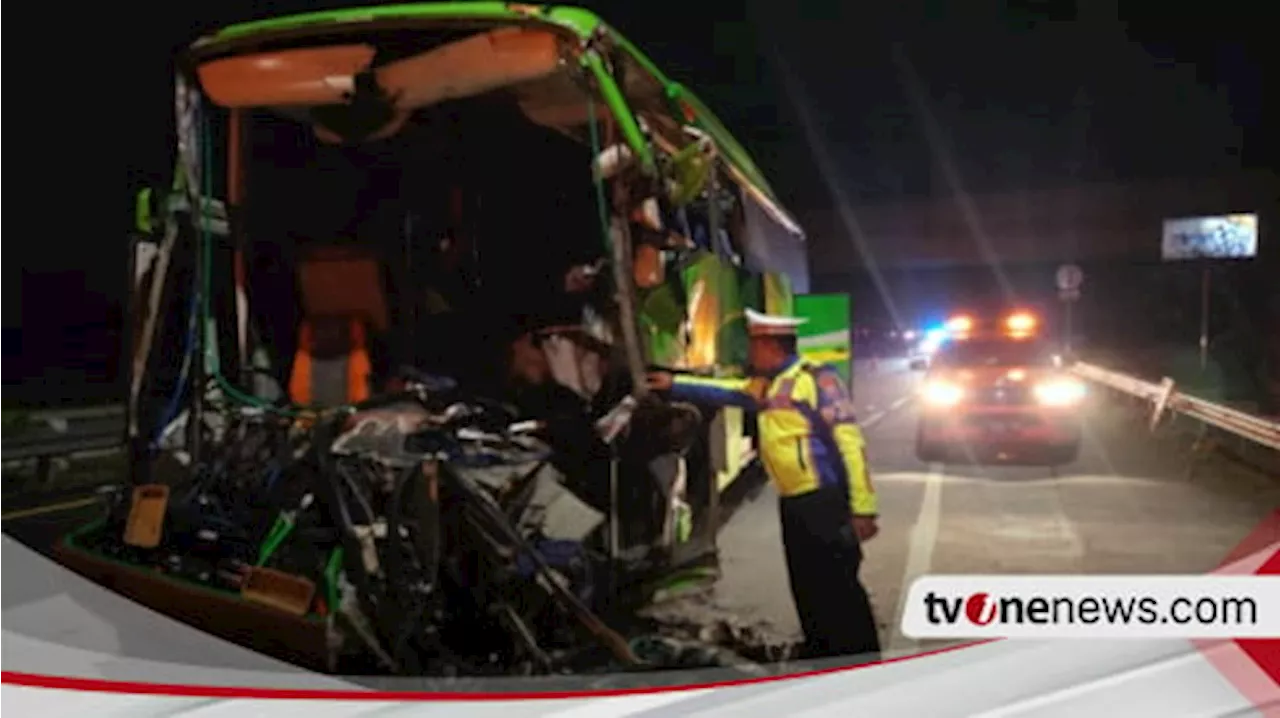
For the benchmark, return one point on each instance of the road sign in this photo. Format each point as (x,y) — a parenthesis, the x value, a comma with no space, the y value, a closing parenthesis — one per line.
(1068,295)
(1069,278)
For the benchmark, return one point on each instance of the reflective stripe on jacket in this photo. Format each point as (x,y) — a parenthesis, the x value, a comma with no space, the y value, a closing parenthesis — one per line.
(809,436)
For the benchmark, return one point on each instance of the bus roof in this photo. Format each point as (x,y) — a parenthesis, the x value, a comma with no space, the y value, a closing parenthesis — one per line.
(584,25)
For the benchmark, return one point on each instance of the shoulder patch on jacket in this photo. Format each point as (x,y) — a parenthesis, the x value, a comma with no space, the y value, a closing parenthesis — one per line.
(833,397)
(830,385)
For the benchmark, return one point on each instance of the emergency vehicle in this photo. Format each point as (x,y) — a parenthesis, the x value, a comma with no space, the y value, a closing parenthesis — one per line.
(922,346)
(996,389)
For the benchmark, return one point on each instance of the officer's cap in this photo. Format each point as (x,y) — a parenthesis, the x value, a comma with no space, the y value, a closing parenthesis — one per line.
(766,325)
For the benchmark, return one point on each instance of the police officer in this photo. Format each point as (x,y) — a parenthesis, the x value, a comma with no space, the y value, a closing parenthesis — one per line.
(812,449)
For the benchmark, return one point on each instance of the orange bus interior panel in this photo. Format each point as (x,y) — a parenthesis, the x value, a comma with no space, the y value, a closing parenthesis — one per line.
(337,284)
(326,76)
(331,366)
(559,103)
(342,300)
(467,68)
(305,77)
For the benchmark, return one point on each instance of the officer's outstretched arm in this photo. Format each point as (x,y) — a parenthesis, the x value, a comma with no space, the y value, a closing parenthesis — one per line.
(836,408)
(709,390)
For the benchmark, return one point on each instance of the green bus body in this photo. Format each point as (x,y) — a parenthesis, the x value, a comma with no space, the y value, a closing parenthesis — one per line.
(826,336)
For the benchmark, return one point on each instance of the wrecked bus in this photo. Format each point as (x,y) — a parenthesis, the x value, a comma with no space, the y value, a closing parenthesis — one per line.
(388,227)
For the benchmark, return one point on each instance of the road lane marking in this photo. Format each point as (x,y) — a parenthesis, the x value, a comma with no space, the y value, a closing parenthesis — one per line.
(920,544)
(1033,526)
(883,414)
(49,508)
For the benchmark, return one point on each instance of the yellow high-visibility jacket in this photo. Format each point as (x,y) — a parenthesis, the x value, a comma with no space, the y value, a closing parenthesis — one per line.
(808,434)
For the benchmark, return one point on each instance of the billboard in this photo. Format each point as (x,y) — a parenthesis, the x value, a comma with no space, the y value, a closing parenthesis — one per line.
(1232,236)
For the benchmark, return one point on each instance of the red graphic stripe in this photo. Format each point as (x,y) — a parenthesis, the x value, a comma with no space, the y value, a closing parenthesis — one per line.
(1266,652)
(1252,665)
(1264,535)
(98,685)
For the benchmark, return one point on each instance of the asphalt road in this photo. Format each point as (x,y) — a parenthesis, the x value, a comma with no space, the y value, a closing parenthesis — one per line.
(38,525)
(1129,505)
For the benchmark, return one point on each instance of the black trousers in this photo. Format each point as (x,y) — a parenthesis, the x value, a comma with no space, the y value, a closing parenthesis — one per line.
(823,559)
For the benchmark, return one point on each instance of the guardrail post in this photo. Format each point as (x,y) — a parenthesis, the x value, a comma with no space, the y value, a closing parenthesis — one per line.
(44,470)
(1202,448)
(1161,403)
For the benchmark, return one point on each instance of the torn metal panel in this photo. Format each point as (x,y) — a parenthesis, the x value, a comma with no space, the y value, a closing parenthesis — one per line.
(497,478)
(383,436)
(770,247)
(554,512)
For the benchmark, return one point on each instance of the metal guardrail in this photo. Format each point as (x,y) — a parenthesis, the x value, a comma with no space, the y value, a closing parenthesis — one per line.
(58,433)
(42,447)
(1164,397)
(80,413)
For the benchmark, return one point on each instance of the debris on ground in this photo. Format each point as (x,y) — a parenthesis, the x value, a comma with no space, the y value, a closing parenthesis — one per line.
(696,616)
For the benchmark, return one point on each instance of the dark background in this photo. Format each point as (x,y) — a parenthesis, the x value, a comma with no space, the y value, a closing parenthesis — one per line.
(1030,94)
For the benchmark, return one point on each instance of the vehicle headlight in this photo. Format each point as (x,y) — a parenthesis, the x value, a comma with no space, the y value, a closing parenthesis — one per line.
(1060,392)
(942,393)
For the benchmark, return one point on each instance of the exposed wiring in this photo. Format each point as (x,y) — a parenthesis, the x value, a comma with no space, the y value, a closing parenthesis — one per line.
(179,388)
(597,178)
(273,475)
(206,281)
(332,570)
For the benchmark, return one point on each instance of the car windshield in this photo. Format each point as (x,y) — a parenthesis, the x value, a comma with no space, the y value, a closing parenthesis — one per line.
(994,352)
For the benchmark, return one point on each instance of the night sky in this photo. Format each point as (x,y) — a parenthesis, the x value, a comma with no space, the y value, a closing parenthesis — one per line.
(1033,95)
(1037,93)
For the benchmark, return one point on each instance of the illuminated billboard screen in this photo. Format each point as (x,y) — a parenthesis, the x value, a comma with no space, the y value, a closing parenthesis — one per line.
(1232,236)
